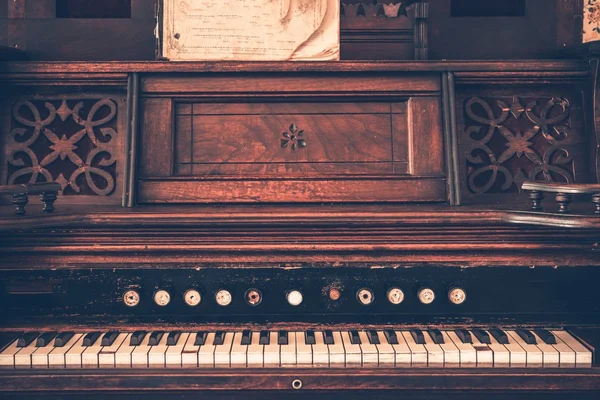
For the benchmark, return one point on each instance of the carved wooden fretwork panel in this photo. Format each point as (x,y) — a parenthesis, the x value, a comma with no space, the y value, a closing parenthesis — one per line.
(504,141)
(73,142)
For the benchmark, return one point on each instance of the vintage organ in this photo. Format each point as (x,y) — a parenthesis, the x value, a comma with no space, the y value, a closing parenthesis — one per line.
(409,229)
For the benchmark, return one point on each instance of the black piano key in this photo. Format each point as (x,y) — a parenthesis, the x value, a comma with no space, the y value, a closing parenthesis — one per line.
(328,337)
(8,338)
(482,335)
(173,338)
(464,335)
(27,338)
(417,336)
(436,336)
(546,336)
(373,337)
(282,337)
(155,338)
(391,336)
(219,338)
(109,338)
(264,337)
(62,338)
(137,337)
(200,338)
(499,335)
(90,338)
(246,337)
(527,336)
(45,338)
(309,337)
(354,337)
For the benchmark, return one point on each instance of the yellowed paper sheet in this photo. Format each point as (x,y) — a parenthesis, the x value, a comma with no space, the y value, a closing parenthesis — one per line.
(252,30)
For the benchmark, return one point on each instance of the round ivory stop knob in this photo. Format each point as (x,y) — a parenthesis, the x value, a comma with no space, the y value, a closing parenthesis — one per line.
(294,297)
(426,296)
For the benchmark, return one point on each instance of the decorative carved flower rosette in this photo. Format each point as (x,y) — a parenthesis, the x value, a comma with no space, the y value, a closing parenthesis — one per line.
(496,146)
(35,151)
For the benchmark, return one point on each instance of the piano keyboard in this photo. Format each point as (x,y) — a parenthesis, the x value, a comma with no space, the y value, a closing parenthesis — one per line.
(256,349)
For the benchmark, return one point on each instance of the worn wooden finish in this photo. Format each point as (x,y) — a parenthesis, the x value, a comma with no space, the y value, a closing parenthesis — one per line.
(510,381)
(556,187)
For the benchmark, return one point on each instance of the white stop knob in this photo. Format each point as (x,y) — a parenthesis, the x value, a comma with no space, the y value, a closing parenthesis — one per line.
(192,297)
(426,296)
(223,298)
(294,298)
(162,297)
(131,298)
(457,296)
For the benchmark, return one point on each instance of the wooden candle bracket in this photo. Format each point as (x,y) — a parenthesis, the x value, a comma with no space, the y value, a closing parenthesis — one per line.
(20,195)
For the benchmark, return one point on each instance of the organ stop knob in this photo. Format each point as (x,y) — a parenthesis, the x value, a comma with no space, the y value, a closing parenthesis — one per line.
(294,297)
(162,297)
(131,298)
(426,296)
(192,297)
(457,296)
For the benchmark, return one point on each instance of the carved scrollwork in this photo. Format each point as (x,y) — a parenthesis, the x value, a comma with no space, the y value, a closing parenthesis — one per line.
(62,149)
(503,149)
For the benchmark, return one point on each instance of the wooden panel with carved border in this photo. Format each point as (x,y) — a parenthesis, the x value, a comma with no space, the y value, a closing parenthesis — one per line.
(507,136)
(73,139)
(346,138)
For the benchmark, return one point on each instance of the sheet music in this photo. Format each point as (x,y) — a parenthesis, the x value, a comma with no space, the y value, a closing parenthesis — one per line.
(251,30)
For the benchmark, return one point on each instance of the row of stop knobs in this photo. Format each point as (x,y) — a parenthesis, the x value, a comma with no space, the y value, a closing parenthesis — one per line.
(253,297)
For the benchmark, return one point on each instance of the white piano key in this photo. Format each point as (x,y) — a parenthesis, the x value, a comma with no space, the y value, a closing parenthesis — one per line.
(288,351)
(7,356)
(39,358)
(387,355)
(222,351)
(485,355)
(550,355)
(106,357)
(73,356)
(518,355)
(320,351)
(337,354)
(418,351)
(173,356)
(468,354)
(89,357)
(23,356)
(501,353)
(139,355)
(206,354)
(403,353)
(435,354)
(255,351)
(353,352)
(566,354)
(583,356)
(156,354)
(534,354)
(370,355)
(238,351)
(304,356)
(189,354)
(451,352)
(123,354)
(58,357)
(271,351)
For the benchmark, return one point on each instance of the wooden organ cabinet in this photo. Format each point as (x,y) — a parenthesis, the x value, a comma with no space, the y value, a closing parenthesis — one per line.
(368,227)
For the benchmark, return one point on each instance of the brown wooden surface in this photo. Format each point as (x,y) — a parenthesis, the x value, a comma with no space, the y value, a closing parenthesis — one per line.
(316,190)
(156,147)
(431,380)
(540,67)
